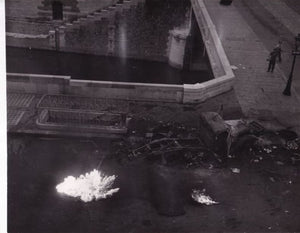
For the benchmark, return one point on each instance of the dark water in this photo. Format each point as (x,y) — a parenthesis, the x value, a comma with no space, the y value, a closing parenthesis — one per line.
(37,165)
(91,67)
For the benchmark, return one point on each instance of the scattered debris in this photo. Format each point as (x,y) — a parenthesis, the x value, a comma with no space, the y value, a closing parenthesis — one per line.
(279,163)
(272,179)
(255,127)
(288,134)
(292,145)
(235,170)
(209,145)
(201,198)
(233,67)
(295,160)
(267,150)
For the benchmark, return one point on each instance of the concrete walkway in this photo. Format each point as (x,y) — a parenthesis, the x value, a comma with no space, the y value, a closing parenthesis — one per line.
(259,92)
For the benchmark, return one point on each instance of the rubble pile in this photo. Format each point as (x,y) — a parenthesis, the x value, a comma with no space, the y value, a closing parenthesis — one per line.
(251,140)
(169,144)
(210,144)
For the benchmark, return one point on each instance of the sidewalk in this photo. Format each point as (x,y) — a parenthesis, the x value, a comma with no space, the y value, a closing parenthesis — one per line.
(259,92)
(284,14)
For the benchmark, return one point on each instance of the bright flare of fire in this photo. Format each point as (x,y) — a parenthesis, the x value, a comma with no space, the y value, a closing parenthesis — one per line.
(88,187)
(200,197)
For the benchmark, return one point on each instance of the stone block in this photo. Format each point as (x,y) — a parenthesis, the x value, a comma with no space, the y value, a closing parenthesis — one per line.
(214,122)
(214,132)
(54,89)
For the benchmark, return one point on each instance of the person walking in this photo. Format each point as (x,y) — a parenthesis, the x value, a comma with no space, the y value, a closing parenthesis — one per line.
(278,50)
(272,61)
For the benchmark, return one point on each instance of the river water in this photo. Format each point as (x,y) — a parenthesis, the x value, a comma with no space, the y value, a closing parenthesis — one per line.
(102,68)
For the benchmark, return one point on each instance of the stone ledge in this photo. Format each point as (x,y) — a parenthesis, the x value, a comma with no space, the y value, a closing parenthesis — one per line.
(51,84)
(79,117)
(224,77)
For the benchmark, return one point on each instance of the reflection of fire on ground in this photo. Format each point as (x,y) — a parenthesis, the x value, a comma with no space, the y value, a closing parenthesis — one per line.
(88,187)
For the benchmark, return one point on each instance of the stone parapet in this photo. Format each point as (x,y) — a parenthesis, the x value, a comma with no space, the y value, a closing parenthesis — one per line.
(51,84)
(36,83)
(223,76)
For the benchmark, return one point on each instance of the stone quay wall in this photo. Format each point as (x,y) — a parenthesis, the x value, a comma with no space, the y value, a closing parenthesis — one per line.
(224,77)
(51,84)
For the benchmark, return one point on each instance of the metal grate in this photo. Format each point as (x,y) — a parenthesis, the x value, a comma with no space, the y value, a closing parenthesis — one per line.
(19,99)
(14,116)
(83,103)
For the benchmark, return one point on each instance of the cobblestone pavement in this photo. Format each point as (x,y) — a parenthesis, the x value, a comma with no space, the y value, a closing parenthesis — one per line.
(258,91)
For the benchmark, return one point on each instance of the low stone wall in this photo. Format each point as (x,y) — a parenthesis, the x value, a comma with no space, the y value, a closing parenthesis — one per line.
(224,77)
(39,43)
(37,83)
(50,84)
(132,91)
(203,91)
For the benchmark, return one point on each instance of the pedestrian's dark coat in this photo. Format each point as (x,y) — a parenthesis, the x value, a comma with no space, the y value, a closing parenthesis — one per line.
(272,60)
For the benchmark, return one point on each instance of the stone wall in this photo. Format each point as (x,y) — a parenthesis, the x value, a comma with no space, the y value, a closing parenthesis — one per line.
(135,29)
(224,77)
(35,83)
(29,9)
(50,84)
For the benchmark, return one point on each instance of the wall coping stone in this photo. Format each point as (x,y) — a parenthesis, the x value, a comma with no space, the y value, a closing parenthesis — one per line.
(217,58)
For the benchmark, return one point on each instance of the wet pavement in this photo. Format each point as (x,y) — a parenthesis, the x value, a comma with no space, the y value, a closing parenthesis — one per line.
(102,68)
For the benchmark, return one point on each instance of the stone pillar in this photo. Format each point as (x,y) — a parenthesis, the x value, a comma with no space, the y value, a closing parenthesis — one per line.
(62,33)
(52,38)
(111,40)
(177,46)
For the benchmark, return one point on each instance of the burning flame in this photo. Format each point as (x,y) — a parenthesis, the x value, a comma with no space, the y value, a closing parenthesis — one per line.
(88,187)
(200,197)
